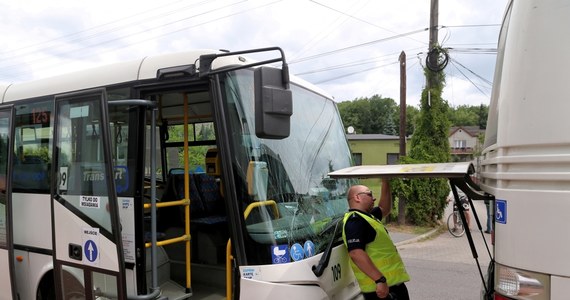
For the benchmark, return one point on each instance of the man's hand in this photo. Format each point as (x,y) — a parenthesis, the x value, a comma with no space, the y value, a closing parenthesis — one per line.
(382,290)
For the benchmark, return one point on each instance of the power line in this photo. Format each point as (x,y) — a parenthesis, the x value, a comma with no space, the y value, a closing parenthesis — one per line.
(360,71)
(356,46)
(79,33)
(469,79)
(360,62)
(321,35)
(142,31)
(146,39)
(361,20)
(475,25)
(354,73)
(471,71)
(473,50)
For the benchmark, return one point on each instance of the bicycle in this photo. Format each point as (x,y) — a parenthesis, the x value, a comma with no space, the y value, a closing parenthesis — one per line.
(455,225)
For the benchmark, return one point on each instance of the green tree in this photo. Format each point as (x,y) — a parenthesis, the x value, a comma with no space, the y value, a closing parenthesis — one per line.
(370,115)
(196,154)
(426,198)
(467,115)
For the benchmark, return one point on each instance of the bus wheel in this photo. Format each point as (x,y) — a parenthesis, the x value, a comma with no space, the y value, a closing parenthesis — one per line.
(45,288)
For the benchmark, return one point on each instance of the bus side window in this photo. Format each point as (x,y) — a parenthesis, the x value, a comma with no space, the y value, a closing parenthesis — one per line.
(32,150)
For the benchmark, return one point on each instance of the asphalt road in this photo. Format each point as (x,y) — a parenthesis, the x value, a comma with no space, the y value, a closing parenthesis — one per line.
(444,268)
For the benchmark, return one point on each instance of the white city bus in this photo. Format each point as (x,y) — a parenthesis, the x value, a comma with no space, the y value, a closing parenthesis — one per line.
(526,156)
(199,174)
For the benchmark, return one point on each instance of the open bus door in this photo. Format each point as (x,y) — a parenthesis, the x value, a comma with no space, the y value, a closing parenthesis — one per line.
(459,176)
(7,284)
(88,252)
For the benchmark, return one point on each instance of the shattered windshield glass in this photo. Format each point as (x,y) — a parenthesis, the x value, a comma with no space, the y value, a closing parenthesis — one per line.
(290,203)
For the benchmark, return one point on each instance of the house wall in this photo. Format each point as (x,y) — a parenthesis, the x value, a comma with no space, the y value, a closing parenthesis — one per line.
(460,134)
(374,152)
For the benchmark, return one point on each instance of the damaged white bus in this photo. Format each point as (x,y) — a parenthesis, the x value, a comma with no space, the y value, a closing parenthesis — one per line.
(195,175)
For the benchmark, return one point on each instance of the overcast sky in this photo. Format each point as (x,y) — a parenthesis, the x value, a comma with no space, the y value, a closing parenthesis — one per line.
(348,48)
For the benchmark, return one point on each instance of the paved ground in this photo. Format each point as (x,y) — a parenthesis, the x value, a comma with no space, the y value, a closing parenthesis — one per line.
(441,265)
(402,238)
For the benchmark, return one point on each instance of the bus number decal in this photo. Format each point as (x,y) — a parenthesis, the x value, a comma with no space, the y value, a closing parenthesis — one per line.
(63,178)
(336,272)
(40,116)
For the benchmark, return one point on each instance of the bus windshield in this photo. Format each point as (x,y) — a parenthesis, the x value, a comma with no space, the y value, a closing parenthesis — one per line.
(282,184)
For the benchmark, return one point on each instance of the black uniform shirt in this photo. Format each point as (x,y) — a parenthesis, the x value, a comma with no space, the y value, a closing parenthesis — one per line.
(358,231)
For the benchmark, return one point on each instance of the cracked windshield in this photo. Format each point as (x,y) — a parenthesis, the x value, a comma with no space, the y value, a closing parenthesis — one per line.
(292,203)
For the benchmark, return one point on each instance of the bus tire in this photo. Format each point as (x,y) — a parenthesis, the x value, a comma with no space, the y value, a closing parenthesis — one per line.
(46,289)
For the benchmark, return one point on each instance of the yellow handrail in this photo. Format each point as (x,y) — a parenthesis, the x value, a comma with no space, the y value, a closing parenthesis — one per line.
(183,202)
(182,238)
(168,203)
(187,196)
(253,205)
(229,256)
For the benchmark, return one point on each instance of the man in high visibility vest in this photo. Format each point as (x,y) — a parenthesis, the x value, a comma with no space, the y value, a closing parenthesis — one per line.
(375,260)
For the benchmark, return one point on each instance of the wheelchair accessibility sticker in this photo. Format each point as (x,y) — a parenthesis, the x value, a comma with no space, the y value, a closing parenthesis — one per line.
(501,211)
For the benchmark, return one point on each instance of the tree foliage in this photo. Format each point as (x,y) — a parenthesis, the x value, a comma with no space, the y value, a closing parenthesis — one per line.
(196,154)
(466,115)
(429,127)
(426,198)
(376,115)
(362,114)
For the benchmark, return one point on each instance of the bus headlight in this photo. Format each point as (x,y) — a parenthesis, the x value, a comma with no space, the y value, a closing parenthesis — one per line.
(521,284)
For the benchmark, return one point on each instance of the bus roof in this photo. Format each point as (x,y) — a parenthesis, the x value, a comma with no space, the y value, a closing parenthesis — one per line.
(434,170)
(141,69)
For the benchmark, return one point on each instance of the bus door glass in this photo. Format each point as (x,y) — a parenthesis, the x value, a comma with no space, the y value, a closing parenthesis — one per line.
(88,259)
(6,247)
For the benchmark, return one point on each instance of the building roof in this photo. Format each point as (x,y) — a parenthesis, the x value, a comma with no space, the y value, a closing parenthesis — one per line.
(471,130)
(370,137)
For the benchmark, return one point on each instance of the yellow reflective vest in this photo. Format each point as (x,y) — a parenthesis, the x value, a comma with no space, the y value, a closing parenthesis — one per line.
(383,254)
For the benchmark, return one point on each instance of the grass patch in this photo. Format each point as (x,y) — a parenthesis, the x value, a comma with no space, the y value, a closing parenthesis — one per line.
(411,229)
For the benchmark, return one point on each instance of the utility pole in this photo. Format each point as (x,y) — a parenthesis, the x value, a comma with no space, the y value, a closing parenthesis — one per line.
(402,199)
(433,24)
(402,104)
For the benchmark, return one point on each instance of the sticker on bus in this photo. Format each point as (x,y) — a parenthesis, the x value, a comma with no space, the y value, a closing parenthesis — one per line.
(280,254)
(91,246)
(251,273)
(309,248)
(63,173)
(501,211)
(90,201)
(297,252)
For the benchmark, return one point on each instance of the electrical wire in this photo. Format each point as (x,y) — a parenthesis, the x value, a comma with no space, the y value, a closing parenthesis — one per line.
(473,25)
(139,32)
(77,36)
(352,64)
(362,20)
(321,35)
(354,73)
(469,79)
(356,46)
(472,72)
(85,53)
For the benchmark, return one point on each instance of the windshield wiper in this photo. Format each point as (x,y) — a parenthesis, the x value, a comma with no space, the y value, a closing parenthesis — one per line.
(319,269)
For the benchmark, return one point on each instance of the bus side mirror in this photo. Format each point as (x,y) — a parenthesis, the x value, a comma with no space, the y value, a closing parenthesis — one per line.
(273,103)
